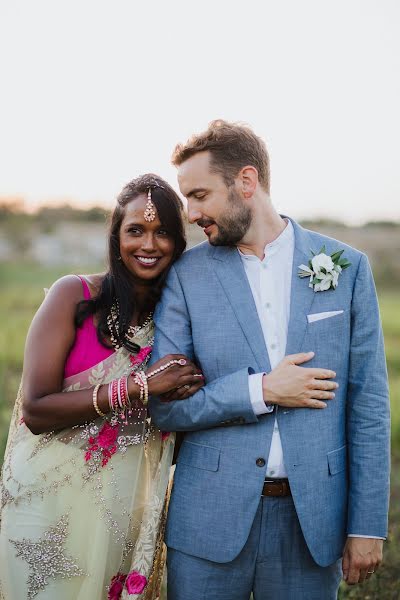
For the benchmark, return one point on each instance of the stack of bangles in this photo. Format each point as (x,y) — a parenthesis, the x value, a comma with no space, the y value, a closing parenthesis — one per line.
(118,397)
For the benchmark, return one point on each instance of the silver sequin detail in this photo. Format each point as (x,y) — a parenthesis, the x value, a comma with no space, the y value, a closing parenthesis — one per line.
(47,558)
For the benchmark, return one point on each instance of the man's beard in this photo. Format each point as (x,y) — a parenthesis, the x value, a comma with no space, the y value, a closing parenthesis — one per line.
(233,226)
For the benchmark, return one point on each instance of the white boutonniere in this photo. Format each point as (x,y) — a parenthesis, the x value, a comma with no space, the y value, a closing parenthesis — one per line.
(324,270)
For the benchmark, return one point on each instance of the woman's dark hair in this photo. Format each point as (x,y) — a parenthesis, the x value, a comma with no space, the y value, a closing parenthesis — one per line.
(118,283)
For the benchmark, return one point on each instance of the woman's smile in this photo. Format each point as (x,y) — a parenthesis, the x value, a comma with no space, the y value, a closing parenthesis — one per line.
(147,261)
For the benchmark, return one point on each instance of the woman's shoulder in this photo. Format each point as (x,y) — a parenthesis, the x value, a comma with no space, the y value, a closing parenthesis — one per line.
(70,289)
(93,282)
(73,285)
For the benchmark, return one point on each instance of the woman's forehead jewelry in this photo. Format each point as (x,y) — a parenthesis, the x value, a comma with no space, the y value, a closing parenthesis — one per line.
(150,210)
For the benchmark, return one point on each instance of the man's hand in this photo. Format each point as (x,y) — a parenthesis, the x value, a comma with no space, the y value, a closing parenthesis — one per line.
(361,558)
(294,386)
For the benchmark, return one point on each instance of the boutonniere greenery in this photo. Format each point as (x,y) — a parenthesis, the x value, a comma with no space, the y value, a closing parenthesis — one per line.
(324,270)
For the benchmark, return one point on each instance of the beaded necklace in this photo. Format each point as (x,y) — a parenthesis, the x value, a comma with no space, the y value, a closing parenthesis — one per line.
(132,331)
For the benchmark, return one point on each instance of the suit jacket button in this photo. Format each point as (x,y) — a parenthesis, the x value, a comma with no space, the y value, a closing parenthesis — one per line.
(260,462)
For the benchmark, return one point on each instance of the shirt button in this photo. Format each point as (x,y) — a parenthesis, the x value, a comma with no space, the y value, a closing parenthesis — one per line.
(271,472)
(273,346)
(260,462)
(265,266)
(268,305)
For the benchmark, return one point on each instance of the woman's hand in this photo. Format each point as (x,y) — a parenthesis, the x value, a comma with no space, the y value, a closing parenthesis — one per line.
(177,381)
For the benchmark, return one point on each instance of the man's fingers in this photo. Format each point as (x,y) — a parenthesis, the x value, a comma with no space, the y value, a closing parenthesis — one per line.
(353,576)
(323,384)
(318,373)
(314,403)
(321,395)
(364,575)
(298,359)
(345,564)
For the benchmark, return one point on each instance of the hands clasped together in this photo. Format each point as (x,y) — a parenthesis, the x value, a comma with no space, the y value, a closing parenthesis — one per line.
(174,377)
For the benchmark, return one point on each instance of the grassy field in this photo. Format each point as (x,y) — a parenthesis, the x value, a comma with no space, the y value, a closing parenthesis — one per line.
(21,293)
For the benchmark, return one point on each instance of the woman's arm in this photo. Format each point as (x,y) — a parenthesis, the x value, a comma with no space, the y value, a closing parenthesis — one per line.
(50,338)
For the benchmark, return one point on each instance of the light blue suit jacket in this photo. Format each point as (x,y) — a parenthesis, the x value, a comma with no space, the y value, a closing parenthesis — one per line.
(337,459)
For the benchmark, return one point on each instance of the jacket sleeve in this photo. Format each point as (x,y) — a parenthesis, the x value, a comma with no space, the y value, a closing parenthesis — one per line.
(226,399)
(368,413)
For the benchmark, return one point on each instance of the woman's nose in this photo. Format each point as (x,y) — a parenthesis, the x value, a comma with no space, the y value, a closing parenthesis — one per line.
(148,243)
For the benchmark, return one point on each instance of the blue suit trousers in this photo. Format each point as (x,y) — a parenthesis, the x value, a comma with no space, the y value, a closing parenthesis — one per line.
(275,564)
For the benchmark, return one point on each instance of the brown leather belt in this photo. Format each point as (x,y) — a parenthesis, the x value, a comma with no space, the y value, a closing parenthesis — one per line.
(276,488)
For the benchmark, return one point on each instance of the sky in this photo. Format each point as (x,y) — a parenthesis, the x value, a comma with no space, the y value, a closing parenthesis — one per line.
(95,92)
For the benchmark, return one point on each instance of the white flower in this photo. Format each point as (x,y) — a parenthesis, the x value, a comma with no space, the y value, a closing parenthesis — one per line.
(324,284)
(322,261)
(324,270)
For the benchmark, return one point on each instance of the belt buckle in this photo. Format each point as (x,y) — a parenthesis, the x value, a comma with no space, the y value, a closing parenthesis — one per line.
(279,484)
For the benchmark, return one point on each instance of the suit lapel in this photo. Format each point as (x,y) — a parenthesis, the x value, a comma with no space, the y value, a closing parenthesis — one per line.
(301,296)
(232,277)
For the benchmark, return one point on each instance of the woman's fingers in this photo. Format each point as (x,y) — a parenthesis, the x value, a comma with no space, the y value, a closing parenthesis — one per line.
(188,392)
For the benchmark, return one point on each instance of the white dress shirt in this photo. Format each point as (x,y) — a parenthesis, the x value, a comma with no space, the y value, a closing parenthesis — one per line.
(270,282)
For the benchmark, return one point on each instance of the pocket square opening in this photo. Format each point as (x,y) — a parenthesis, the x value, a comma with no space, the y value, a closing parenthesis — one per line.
(323,315)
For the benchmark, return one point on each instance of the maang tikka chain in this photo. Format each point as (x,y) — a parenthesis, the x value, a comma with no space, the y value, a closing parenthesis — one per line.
(150,210)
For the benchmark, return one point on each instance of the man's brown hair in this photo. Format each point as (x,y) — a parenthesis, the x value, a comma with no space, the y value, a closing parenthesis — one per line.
(232,146)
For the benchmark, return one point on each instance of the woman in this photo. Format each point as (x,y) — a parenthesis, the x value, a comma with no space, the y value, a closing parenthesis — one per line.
(85,474)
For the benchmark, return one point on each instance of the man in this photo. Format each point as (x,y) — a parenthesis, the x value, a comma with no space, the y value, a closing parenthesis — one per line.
(282,477)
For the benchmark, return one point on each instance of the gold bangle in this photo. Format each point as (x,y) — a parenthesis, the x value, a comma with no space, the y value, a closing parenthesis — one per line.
(94,397)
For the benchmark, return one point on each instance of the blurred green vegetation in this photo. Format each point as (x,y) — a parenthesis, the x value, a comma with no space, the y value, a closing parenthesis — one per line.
(22,292)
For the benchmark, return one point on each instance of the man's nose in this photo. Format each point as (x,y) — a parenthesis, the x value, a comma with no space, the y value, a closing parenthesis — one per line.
(193,213)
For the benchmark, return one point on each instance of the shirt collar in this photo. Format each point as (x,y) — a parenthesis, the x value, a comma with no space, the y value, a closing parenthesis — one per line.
(284,239)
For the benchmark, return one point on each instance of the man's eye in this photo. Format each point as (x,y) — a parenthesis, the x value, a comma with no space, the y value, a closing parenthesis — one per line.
(200,196)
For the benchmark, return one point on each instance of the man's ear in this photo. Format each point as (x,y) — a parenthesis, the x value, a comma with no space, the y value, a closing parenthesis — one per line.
(247,181)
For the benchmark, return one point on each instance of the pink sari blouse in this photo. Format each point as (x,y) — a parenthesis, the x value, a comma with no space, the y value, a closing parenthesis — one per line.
(86,350)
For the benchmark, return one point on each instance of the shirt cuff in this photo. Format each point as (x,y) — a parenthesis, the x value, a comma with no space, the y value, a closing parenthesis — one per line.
(369,537)
(256,395)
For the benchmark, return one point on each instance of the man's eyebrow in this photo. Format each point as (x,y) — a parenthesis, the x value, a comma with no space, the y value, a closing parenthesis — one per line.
(195,191)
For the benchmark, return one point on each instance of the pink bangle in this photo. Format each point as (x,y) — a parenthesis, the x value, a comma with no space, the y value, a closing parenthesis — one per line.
(113,394)
(124,392)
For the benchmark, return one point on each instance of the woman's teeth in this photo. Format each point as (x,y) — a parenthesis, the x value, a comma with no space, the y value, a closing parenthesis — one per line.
(146,261)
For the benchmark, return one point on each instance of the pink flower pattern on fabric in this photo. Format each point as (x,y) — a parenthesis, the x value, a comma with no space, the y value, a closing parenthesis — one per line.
(165,435)
(106,441)
(116,586)
(140,356)
(107,435)
(135,582)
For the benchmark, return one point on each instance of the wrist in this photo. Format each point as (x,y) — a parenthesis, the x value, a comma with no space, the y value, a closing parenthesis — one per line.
(268,395)
(133,389)
(102,399)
